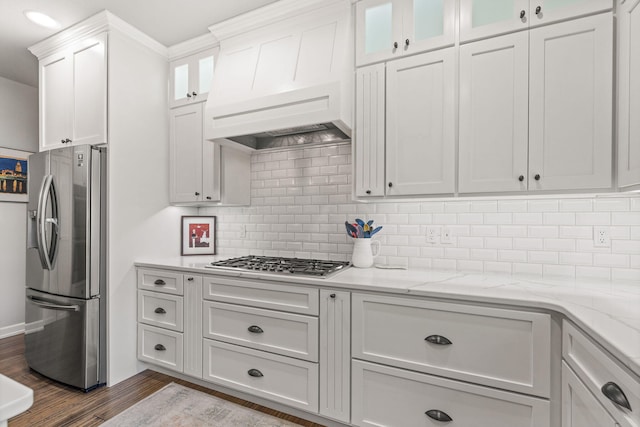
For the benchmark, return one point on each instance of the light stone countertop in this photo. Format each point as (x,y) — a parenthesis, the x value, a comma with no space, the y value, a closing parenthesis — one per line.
(608,311)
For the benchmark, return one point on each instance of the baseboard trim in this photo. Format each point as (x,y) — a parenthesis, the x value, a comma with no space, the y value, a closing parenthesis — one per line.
(11,330)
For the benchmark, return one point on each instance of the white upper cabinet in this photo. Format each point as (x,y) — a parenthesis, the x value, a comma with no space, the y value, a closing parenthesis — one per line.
(73,94)
(629,93)
(494,116)
(570,104)
(370,131)
(420,133)
(190,78)
(391,28)
(486,18)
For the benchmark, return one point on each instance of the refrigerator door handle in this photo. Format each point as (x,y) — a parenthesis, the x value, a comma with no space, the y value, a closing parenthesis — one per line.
(47,255)
(52,306)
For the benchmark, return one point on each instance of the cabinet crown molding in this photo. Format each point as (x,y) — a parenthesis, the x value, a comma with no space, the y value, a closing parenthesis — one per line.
(192,46)
(98,23)
(266,15)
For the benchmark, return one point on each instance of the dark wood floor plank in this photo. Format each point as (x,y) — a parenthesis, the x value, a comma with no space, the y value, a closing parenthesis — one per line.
(57,405)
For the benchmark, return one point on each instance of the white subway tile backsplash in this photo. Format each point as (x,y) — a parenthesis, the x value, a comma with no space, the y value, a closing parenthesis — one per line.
(301,198)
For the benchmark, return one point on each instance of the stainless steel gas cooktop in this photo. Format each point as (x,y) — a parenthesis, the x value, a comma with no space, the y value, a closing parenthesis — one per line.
(294,266)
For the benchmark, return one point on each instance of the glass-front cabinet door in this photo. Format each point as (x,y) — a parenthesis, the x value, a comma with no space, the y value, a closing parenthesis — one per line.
(485,18)
(428,24)
(191,78)
(378,30)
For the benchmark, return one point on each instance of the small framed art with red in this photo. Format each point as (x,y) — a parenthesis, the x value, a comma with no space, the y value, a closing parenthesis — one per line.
(198,235)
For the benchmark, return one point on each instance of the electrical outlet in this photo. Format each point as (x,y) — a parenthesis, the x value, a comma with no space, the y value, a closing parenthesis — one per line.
(433,235)
(445,237)
(601,237)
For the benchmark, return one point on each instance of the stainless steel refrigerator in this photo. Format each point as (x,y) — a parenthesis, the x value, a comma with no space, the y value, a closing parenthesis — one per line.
(65,319)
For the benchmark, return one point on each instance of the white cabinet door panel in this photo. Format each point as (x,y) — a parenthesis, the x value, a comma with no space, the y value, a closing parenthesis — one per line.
(370,131)
(420,153)
(629,93)
(186,141)
(486,18)
(56,92)
(579,407)
(428,24)
(570,96)
(378,27)
(493,140)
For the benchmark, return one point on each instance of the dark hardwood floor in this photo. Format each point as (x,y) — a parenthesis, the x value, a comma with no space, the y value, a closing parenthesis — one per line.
(59,405)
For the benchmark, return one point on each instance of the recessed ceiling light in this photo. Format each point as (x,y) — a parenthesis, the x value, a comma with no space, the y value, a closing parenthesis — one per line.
(42,19)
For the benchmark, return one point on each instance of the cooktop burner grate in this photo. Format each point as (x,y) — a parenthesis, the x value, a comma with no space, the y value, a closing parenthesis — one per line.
(295,266)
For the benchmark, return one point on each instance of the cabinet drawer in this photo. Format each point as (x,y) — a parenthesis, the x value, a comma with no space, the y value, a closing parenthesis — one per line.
(495,347)
(384,396)
(294,299)
(162,310)
(161,281)
(596,368)
(282,379)
(283,333)
(160,346)
(580,408)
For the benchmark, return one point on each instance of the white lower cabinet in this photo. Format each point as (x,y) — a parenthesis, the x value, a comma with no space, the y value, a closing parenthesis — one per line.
(160,346)
(580,408)
(385,396)
(281,379)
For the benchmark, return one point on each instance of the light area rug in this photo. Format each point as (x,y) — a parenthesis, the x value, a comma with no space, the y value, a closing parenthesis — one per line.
(179,406)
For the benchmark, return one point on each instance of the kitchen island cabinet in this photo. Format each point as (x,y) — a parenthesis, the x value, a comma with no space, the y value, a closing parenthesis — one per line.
(527,391)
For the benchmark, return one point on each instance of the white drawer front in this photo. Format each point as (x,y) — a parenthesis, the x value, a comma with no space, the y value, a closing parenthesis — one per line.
(162,310)
(384,396)
(290,381)
(580,408)
(596,369)
(160,346)
(495,347)
(294,299)
(160,281)
(283,333)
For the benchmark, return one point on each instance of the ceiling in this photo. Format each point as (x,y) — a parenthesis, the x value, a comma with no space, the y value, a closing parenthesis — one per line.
(167,21)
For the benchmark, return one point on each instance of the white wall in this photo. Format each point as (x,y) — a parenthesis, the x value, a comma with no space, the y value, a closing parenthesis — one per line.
(19,130)
(300,199)
(141,222)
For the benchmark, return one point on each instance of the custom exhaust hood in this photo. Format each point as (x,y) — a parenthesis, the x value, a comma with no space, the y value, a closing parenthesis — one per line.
(282,76)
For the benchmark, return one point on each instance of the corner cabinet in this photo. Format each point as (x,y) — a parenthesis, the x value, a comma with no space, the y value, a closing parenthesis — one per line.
(73,94)
(386,29)
(419,136)
(628,93)
(190,78)
(202,171)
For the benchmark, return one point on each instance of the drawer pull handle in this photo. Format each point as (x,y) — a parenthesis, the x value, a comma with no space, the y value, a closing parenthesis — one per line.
(438,339)
(255,329)
(190,279)
(160,310)
(615,394)
(255,373)
(160,347)
(438,415)
(160,282)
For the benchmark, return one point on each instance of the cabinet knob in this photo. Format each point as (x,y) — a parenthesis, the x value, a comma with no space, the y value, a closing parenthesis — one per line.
(190,279)
(438,415)
(522,14)
(160,310)
(160,347)
(521,178)
(332,296)
(390,184)
(406,42)
(67,140)
(368,191)
(159,282)
(188,95)
(538,10)
(194,94)
(254,329)
(62,141)
(255,373)
(537,177)
(438,339)
(208,197)
(395,45)
(196,193)
(615,394)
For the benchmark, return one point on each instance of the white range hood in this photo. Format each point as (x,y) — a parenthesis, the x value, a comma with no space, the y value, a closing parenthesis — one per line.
(283,69)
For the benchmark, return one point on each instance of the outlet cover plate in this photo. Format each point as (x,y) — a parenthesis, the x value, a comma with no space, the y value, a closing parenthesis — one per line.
(601,237)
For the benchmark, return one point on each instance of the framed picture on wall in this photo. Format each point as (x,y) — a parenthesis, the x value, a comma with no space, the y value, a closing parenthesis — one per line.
(198,235)
(13,175)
